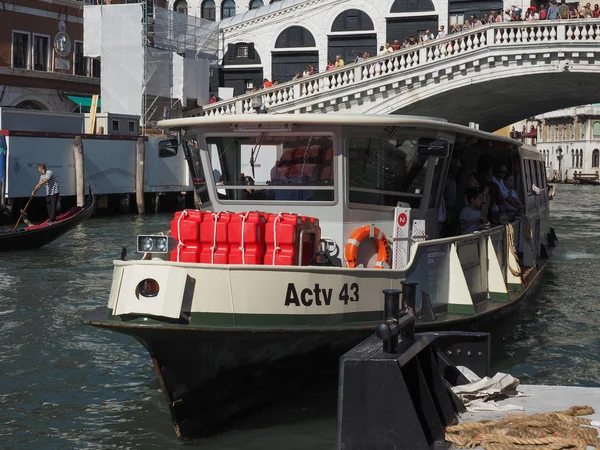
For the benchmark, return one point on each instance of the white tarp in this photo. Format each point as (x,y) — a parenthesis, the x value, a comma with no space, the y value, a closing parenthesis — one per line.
(92,31)
(122,59)
(159,74)
(196,75)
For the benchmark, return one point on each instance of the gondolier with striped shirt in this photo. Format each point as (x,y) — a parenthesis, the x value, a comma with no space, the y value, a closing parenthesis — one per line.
(49,180)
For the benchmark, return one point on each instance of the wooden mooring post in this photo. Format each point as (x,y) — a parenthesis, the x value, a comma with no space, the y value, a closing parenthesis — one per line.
(79,170)
(139,175)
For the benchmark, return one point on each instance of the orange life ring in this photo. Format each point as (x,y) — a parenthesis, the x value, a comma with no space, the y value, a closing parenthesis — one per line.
(359,235)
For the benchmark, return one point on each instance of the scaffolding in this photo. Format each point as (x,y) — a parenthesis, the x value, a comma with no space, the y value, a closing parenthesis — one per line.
(151,76)
(171,40)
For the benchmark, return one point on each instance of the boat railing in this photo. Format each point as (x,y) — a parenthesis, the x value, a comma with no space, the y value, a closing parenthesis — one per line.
(443,266)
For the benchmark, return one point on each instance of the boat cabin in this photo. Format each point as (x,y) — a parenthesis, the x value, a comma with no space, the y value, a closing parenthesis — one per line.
(350,171)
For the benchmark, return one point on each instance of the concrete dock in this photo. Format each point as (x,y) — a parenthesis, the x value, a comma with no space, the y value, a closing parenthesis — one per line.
(542,399)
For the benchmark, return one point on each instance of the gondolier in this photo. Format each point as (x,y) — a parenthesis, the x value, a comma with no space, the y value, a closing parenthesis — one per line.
(49,180)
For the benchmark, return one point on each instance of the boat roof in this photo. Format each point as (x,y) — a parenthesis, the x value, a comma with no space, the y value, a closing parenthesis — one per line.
(373,120)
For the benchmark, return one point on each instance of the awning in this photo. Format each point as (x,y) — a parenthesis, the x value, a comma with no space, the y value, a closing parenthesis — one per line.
(83,101)
(532,133)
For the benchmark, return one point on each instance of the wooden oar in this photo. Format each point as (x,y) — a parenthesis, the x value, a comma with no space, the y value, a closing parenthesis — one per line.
(22,211)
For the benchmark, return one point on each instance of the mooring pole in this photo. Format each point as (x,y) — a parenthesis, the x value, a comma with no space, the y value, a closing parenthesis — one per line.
(388,330)
(409,295)
(79,170)
(139,175)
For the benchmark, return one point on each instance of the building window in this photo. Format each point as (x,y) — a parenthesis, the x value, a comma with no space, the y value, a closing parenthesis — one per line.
(208,10)
(79,61)
(352,20)
(241,51)
(20,50)
(254,4)
(227,9)
(131,126)
(596,158)
(95,68)
(596,129)
(115,125)
(41,51)
(181,6)
(249,85)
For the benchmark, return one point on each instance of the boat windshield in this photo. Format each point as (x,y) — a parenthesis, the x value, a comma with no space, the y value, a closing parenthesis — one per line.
(273,167)
(387,171)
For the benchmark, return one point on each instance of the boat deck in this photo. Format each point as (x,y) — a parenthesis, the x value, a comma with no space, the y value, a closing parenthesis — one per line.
(541,399)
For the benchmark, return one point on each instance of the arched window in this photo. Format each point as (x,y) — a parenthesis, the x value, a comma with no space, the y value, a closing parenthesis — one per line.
(31,104)
(180,6)
(295,37)
(352,20)
(254,4)
(596,129)
(572,158)
(596,158)
(209,10)
(227,9)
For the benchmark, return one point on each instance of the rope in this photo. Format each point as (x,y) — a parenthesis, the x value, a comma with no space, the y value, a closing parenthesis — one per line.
(510,238)
(215,217)
(553,430)
(276,248)
(180,243)
(242,248)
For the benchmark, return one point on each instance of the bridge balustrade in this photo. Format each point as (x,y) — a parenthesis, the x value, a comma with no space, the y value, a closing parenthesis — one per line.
(421,58)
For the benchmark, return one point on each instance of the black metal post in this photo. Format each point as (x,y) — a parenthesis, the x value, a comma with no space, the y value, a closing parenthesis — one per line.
(409,295)
(388,330)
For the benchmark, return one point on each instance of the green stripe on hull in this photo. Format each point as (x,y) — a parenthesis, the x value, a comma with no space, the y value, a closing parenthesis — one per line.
(265,320)
(499,297)
(515,287)
(467,310)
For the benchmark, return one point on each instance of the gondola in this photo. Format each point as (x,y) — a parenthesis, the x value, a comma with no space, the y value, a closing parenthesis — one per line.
(36,236)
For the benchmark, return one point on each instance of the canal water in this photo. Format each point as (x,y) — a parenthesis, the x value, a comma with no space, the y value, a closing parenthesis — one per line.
(67,385)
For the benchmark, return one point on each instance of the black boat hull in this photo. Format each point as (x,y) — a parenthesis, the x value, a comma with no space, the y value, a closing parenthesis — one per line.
(210,376)
(38,237)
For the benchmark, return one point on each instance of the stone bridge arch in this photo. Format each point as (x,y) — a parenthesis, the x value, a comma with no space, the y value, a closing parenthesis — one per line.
(493,75)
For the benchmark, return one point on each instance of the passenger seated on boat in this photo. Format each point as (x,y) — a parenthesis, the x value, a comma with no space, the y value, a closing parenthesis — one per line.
(499,178)
(286,177)
(494,208)
(470,217)
(511,210)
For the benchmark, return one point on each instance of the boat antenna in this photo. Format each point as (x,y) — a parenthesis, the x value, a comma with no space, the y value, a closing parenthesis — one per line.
(305,155)
(255,151)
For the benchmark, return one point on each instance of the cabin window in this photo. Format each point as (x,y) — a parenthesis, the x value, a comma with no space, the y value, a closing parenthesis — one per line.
(528,181)
(273,168)
(382,172)
(543,174)
(191,149)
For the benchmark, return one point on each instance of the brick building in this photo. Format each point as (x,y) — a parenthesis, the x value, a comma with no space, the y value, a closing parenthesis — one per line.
(41,55)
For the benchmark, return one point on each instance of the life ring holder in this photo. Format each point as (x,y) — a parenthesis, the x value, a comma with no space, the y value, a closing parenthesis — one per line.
(357,237)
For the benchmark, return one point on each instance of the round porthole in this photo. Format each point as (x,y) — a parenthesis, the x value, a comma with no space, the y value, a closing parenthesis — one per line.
(147,288)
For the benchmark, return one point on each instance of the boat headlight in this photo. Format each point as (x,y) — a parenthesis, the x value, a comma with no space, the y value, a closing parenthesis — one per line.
(155,244)
(147,244)
(162,244)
